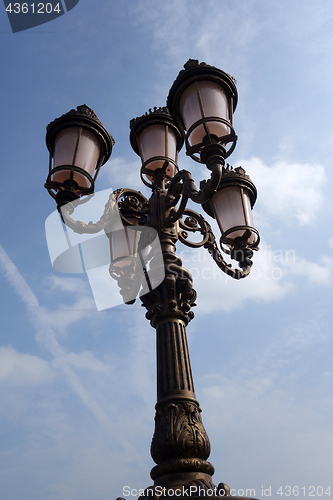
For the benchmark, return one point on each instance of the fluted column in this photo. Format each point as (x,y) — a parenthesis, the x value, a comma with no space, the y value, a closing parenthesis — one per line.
(174,374)
(180,445)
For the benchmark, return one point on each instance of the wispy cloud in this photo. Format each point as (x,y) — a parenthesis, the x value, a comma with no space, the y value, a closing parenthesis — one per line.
(202,29)
(259,393)
(295,29)
(45,335)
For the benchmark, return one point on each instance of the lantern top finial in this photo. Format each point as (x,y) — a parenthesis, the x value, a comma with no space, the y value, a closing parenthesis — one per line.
(194,63)
(150,113)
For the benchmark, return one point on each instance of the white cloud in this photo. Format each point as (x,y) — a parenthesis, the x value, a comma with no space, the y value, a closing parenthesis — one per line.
(267,281)
(250,413)
(296,28)
(289,190)
(192,28)
(316,273)
(118,172)
(80,304)
(170,26)
(23,369)
(274,274)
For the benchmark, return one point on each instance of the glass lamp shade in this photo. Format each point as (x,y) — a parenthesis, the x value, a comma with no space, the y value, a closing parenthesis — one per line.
(201,102)
(157,140)
(232,209)
(124,243)
(77,147)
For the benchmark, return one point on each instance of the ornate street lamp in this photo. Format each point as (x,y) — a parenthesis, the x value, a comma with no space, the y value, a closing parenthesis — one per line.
(200,110)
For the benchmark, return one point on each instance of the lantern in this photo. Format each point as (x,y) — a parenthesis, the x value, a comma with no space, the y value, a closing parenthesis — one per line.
(231,206)
(157,140)
(79,145)
(202,101)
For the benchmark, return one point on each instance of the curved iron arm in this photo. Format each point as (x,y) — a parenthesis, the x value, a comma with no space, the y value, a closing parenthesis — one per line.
(196,222)
(91,227)
(121,202)
(130,204)
(182,184)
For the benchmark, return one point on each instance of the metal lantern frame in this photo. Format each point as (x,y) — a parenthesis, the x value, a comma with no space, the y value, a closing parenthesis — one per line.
(157,116)
(83,118)
(236,177)
(192,73)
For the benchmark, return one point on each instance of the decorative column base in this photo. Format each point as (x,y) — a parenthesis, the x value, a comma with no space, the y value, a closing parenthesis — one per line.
(180,446)
(183,472)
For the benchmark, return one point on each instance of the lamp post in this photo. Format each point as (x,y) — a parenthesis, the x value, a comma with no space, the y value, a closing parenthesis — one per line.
(199,112)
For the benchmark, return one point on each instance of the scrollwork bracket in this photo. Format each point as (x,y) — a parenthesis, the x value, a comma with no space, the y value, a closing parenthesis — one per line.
(196,223)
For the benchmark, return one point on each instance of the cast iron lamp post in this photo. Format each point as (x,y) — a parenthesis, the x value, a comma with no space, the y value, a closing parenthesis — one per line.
(199,112)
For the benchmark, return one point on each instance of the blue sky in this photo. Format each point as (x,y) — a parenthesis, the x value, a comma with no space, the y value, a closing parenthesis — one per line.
(77,386)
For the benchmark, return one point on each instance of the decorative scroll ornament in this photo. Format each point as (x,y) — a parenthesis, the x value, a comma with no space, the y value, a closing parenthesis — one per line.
(132,205)
(123,202)
(196,223)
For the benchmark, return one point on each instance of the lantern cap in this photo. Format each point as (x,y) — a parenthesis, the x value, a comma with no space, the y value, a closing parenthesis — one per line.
(153,116)
(84,117)
(193,70)
(233,177)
